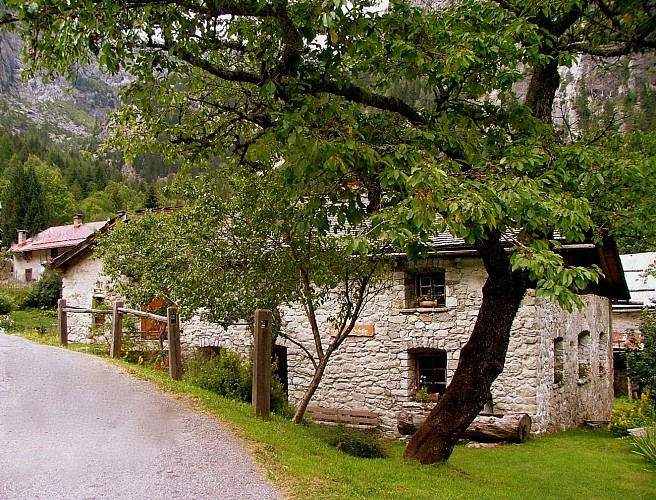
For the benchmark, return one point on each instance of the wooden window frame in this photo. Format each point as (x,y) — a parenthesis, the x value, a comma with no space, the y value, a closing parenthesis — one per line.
(433,281)
(431,371)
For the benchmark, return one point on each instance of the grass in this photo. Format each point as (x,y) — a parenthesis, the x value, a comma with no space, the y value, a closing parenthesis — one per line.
(581,464)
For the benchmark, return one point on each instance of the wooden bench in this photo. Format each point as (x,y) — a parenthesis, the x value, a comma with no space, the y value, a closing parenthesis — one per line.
(360,419)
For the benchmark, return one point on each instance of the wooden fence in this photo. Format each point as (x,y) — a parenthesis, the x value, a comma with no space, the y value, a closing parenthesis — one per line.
(118,311)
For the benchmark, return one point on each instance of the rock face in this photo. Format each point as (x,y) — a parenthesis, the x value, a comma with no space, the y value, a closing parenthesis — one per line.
(63,109)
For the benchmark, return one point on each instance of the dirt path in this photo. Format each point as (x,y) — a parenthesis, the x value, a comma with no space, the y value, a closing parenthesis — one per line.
(75,427)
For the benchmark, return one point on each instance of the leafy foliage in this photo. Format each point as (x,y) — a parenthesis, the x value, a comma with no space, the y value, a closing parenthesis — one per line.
(641,413)
(645,446)
(229,374)
(362,443)
(6,304)
(45,293)
(641,359)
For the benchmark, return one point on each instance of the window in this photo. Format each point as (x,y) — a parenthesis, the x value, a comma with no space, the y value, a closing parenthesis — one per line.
(604,365)
(429,289)
(431,371)
(54,252)
(584,355)
(98,319)
(559,361)
(28,275)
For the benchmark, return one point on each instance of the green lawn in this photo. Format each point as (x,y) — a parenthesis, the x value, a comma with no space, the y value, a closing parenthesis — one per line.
(582,464)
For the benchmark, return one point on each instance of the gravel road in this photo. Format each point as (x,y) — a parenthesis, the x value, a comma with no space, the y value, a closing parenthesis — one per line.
(73,426)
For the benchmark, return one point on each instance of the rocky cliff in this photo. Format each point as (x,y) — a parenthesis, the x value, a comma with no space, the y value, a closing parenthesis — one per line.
(63,109)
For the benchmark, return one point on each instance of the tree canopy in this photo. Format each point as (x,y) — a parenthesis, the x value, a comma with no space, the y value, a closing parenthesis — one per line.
(315,93)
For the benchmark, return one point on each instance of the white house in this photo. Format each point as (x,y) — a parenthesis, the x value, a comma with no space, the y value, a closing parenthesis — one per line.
(31,255)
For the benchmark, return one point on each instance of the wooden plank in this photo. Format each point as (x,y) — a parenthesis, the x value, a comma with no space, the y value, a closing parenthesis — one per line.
(117,330)
(343,415)
(70,309)
(262,363)
(143,314)
(175,354)
(62,323)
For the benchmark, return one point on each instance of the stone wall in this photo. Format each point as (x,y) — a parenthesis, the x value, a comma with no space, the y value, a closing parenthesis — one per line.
(585,389)
(79,284)
(377,372)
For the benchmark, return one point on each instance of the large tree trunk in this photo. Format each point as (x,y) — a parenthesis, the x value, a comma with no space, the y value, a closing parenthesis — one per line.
(481,359)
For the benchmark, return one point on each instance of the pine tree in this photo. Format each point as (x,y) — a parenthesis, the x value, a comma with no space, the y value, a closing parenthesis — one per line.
(23,204)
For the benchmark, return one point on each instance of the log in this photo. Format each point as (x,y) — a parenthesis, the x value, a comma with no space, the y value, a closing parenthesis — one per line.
(513,427)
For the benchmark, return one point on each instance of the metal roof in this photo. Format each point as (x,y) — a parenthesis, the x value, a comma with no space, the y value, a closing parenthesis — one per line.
(641,286)
(58,237)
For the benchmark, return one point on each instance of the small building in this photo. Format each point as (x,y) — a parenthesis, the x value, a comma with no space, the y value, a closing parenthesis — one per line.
(30,256)
(627,313)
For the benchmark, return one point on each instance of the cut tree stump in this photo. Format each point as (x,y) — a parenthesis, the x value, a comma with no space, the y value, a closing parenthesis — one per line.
(513,427)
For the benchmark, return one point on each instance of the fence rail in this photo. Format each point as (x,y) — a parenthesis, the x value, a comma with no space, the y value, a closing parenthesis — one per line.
(118,311)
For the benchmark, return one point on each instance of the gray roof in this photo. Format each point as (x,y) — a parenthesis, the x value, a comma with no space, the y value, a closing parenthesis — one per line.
(641,286)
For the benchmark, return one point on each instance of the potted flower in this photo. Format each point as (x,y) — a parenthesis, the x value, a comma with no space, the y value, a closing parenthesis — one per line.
(429,299)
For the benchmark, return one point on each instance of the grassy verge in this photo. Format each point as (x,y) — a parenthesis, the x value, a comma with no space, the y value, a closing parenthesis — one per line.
(582,464)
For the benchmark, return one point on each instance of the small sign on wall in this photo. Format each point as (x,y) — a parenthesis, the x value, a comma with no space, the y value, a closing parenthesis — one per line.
(358,331)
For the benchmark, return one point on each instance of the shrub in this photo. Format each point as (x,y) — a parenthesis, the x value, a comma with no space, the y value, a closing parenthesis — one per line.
(645,446)
(45,293)
(362,443)
(229,374)
(6,304)
(639,414)
(641,359)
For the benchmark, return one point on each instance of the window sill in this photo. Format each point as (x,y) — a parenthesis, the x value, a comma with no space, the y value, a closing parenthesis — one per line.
(412,310)
(583,381)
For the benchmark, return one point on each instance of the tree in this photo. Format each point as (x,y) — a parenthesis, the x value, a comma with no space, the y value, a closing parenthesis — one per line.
(249,242)
(23,203)
(641,359)
(303,90)
(58,199)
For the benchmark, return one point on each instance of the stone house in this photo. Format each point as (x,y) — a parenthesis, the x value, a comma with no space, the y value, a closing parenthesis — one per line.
(559,367)
(30,256)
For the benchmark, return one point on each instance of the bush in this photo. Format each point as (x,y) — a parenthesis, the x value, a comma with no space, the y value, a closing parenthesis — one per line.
(229,374)
(639,414)
(6,304)
(45,293)
(641,360)
(356,442)
(645,446)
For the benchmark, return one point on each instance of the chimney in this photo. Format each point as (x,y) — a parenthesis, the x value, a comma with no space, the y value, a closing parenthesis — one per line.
(77,220)
(21,235)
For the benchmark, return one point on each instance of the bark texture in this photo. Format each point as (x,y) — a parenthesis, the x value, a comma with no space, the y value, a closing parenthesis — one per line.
(481,359)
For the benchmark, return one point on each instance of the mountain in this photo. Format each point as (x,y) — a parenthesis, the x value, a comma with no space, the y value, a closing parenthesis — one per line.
(63,109)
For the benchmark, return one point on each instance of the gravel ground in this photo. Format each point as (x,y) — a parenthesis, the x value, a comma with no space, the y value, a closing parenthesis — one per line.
(73,426)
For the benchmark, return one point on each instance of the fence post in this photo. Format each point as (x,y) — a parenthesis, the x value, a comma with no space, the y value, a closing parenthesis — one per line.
(262,363)
(117,330)
(175,357)
(62,323)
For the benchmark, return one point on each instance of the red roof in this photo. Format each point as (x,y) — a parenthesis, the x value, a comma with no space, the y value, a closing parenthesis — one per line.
(58,237)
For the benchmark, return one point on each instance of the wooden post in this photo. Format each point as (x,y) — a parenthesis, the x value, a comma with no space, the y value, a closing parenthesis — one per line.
(175,357)
(62,323)
(262,364)
(117,330)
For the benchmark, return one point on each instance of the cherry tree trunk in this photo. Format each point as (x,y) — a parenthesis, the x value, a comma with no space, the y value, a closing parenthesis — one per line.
(481,359)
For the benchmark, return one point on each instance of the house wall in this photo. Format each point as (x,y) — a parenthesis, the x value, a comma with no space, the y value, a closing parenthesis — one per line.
(78,287)
(36,263)
(586,389)
(377,372)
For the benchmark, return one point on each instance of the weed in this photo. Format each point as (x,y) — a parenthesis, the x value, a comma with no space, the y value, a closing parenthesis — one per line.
(645,446)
